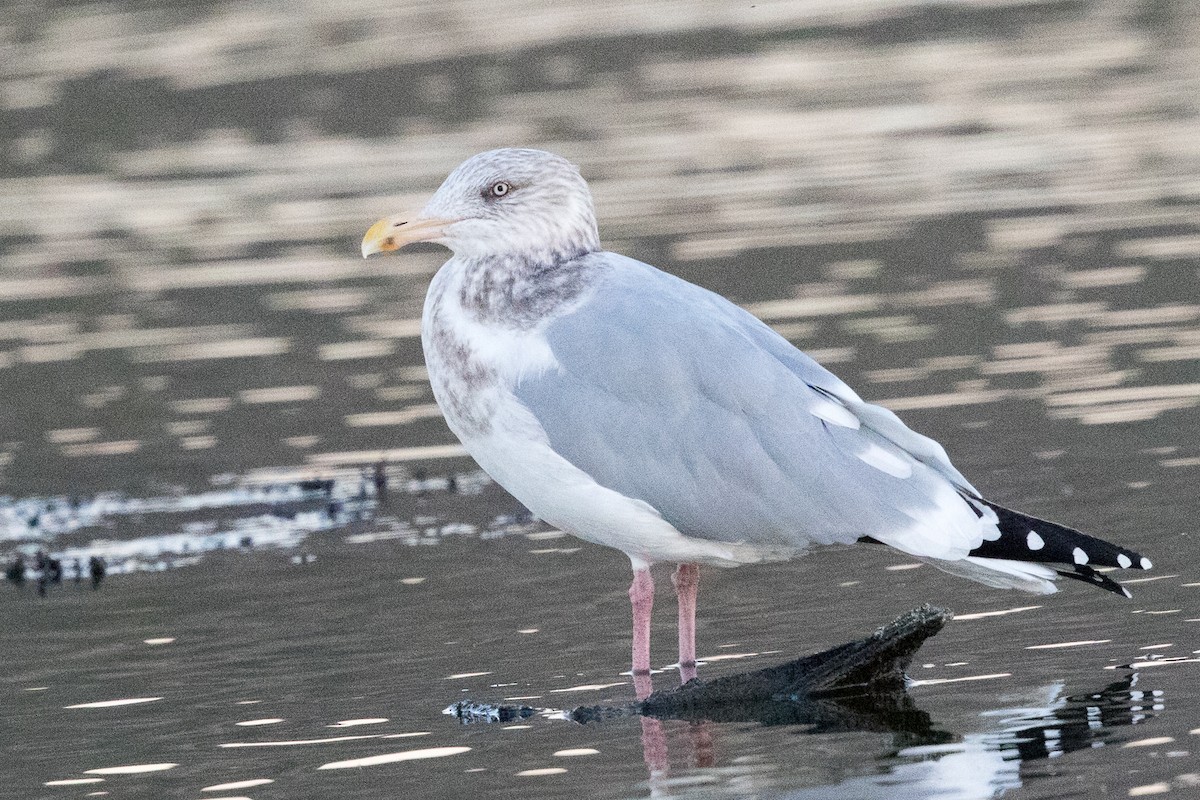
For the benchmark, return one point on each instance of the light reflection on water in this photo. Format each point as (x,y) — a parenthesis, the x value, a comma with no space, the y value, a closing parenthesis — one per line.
(986,761)
(275,515)
(983,216)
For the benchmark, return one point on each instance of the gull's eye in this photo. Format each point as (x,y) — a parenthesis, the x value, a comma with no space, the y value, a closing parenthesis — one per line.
(499,189)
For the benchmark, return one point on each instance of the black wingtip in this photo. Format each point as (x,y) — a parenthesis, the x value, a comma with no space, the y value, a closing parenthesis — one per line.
(1088,575)
(1027,538)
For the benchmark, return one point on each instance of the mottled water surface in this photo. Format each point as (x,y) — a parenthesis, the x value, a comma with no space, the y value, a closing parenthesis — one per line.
(985,215)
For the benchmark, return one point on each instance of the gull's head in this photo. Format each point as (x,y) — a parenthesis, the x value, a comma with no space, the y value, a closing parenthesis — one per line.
(510,202)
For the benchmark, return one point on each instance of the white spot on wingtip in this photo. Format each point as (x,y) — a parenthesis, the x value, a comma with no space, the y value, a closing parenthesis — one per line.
(1145,563)
(1034,541)
(835,414)
(1079,556)
(1124,561)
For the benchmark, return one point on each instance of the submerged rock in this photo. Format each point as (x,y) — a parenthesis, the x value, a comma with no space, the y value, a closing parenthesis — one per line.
(855,686)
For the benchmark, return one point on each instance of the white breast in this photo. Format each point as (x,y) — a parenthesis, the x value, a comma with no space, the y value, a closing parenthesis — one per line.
(473,367)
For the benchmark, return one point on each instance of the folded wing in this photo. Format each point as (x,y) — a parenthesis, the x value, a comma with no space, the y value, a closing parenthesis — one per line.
(671,394)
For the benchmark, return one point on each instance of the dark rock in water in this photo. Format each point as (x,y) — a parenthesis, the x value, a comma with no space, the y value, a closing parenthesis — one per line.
(380,479)
(872,666)
(97,569)
(49,570)
(322,485)
(855,686)
(16,571)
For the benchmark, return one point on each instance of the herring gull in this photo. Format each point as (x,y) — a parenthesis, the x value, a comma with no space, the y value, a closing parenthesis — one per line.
(633,409)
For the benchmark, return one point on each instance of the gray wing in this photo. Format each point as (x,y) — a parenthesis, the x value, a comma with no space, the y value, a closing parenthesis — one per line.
(671,394)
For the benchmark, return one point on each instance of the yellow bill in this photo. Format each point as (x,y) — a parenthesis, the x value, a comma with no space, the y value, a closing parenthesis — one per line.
(392,234)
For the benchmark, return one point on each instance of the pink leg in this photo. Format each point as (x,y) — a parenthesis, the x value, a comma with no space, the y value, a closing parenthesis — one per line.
(654,749)
(641,596)
(703,747)
(686,580)
(643,685)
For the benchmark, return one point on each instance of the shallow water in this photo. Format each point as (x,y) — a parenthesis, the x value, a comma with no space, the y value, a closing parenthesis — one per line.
(982,216)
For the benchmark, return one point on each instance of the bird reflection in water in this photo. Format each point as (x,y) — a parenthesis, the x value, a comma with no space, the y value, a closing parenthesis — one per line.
(986,764)
(923,759)
(654,736)
(980,764)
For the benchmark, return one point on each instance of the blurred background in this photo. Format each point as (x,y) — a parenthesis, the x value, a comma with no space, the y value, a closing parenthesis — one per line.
(184,188)
(984,214)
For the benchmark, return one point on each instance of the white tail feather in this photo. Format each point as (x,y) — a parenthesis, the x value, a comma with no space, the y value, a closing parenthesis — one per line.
(1001,573)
